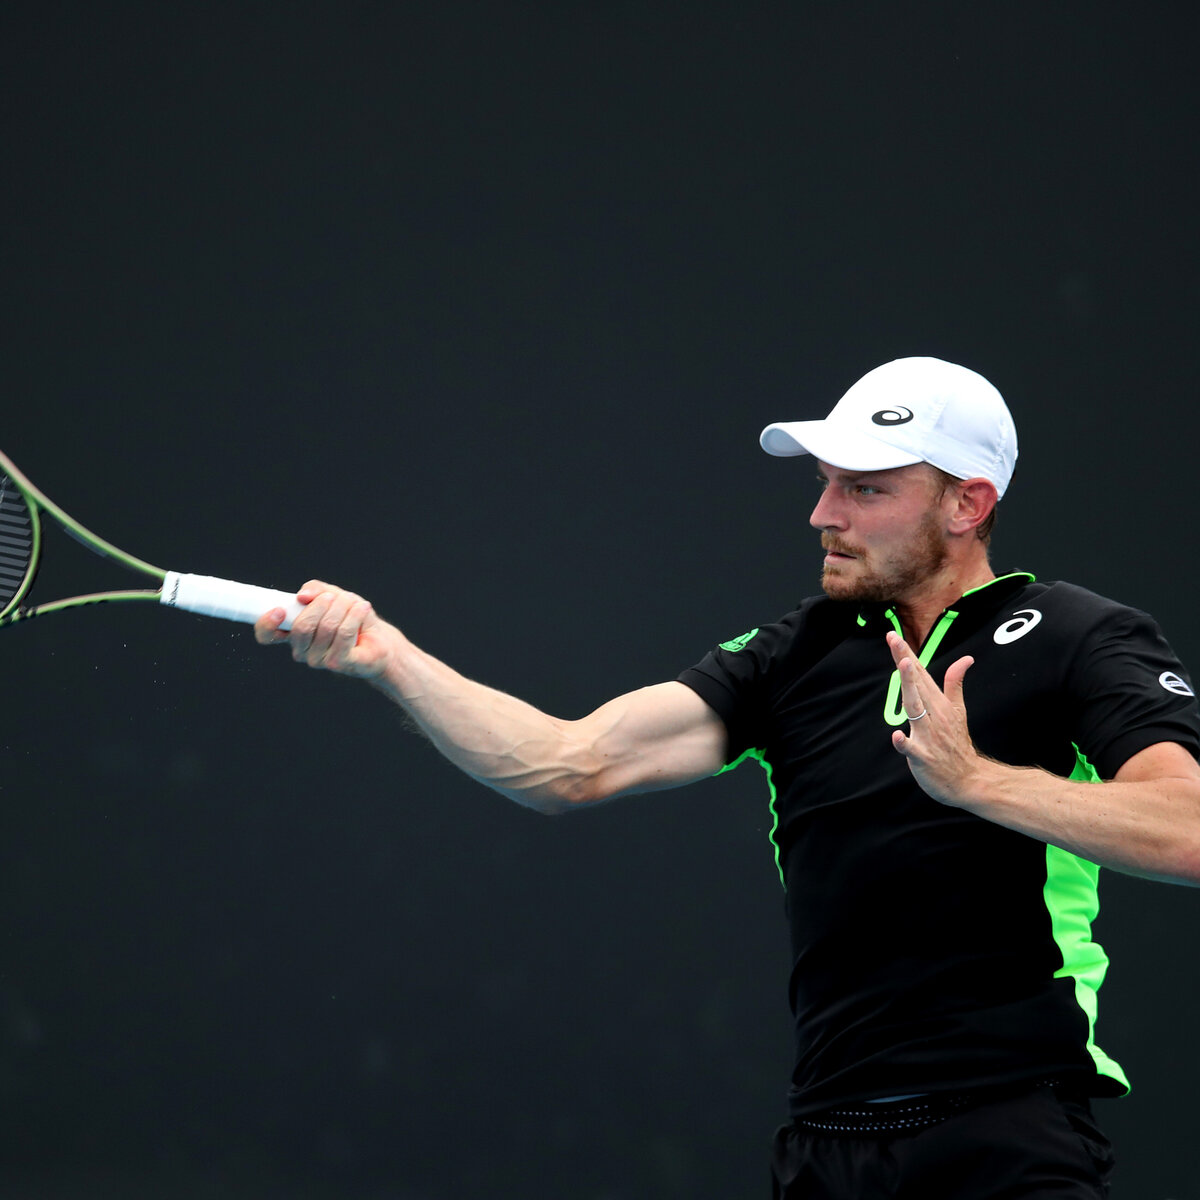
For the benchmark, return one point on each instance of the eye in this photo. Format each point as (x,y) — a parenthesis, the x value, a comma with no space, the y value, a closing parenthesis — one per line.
(866,489)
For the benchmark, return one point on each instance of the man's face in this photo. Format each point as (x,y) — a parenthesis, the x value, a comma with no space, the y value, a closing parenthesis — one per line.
(882,531)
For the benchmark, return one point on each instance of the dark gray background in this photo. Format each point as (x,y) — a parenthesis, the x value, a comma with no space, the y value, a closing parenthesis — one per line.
(479,308)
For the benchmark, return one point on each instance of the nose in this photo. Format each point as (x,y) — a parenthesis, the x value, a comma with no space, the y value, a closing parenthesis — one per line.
(826,514)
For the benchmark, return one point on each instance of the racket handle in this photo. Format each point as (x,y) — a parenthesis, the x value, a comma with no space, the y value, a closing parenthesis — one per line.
(212,597)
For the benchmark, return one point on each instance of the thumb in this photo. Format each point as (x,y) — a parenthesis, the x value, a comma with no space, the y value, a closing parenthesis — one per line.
(952,685)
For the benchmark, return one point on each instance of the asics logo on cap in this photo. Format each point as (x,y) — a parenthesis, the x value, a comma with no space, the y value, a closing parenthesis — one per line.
(908,411)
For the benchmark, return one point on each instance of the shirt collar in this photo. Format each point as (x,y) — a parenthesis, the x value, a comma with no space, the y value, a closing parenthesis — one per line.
(987,597)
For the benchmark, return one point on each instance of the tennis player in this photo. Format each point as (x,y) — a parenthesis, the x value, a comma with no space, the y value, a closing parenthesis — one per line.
(934,737)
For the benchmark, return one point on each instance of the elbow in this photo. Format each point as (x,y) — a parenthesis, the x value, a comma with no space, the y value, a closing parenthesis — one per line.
(578,794)
(1184,849)
(567,777)
(545,804)
(554,807)
(1178,864)
(570,793)
(1186,867)
(558,797)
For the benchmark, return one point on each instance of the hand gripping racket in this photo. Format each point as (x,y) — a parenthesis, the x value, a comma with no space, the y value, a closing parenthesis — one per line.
(21,545)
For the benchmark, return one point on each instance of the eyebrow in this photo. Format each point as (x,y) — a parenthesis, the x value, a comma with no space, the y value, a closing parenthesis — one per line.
(851,476)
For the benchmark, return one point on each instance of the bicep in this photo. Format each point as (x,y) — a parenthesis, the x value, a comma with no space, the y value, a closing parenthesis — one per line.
(1163,760)
(657,737)
(1167,807)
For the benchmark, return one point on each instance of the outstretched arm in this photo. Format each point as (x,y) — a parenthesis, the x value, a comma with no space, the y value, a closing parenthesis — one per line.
(1146,821)
(657,737)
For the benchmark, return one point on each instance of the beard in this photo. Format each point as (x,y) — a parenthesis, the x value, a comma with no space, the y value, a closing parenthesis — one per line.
(888,576)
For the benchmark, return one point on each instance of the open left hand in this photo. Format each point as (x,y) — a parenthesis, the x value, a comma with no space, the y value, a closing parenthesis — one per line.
(938,747)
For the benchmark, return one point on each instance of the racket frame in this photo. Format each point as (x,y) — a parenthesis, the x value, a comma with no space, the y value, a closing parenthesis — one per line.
(36,500)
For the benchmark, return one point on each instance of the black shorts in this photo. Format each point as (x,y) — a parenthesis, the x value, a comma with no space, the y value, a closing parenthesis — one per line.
(1038,1143)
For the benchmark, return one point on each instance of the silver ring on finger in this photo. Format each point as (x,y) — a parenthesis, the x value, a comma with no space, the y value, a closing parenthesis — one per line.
(923,713)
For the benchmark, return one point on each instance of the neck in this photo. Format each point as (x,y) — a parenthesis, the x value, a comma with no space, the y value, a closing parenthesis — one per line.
(918,612)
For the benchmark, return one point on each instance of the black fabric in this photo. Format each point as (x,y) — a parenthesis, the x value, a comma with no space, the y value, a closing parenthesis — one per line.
(924,956)
(1036,1144)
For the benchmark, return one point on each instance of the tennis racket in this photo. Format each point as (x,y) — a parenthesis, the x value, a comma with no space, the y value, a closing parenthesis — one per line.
(21,506)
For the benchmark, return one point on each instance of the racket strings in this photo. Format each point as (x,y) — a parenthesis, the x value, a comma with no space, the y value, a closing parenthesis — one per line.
(16,540)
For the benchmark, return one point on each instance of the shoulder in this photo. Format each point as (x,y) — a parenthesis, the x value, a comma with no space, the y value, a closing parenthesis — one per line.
(1067,628)
(1079,607)
(1099,640)
(816,620)
(812,627)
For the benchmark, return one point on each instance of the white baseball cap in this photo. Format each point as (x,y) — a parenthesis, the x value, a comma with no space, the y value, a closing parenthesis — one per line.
(908,411)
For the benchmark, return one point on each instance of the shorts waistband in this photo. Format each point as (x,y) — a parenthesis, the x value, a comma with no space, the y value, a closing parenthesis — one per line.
(910,1115)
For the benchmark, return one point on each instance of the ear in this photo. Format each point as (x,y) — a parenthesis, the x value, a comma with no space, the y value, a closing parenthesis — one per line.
(969,503)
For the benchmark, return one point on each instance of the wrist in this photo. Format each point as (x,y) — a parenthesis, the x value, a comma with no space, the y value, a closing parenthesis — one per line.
(985,787)
(401,667)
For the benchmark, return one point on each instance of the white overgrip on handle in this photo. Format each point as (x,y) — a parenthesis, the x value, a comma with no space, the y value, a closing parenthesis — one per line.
(214,597)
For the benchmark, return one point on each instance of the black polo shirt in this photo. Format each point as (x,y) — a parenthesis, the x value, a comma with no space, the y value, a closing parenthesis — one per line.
(932,949)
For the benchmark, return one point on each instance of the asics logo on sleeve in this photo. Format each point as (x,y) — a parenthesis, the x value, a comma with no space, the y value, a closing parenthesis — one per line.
(1174,683)
(893,416)
(1017,626)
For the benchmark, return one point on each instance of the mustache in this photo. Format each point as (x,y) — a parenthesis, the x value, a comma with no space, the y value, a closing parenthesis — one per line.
(832,543)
